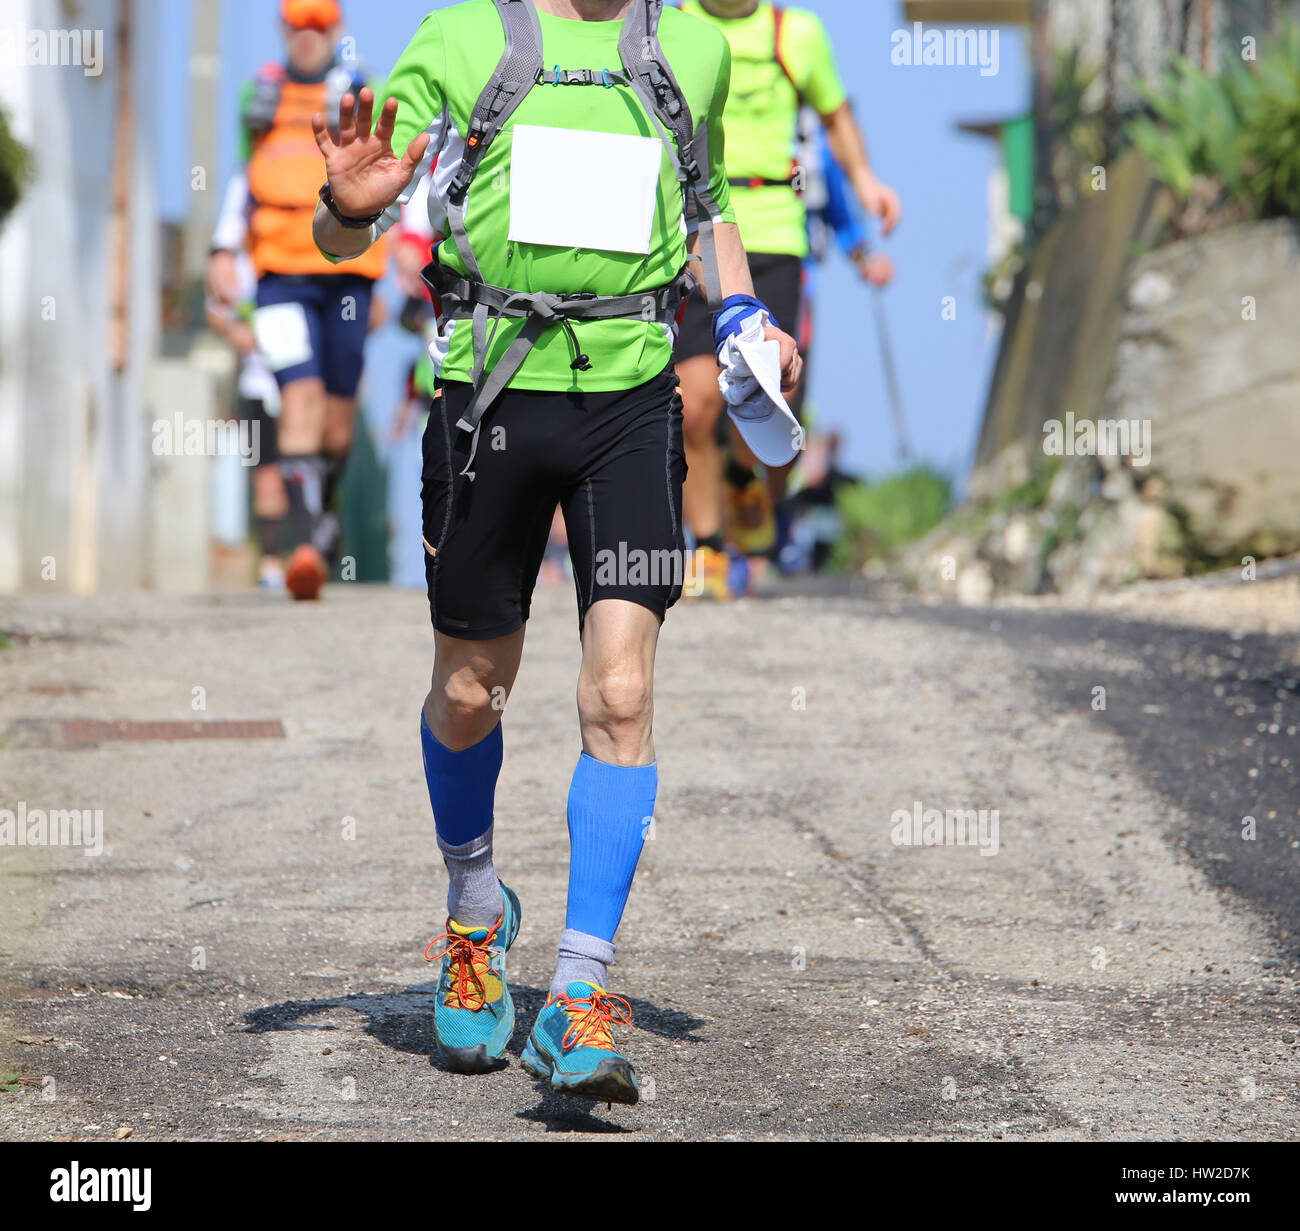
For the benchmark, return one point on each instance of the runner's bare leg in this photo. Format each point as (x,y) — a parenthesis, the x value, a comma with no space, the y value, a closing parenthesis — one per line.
(702,495)
(471,681)
(616,682)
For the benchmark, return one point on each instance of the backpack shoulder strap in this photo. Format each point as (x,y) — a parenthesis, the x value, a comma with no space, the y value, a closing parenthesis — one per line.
(652,78)
(259,100)
(515,75)
(778,29)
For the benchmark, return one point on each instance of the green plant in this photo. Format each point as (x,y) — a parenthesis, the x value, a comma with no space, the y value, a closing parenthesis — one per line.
(15,168)
(998,281)
(1239,129)
(1032,493)
(1270,112)
(1079,127)
(879,517)
(1195,128)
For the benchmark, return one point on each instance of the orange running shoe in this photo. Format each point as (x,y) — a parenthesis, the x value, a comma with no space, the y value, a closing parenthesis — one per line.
(305,574)
(751,520)
(706,575)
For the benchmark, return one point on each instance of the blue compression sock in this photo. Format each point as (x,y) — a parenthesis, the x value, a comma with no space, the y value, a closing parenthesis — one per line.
(610,807)
(461,789)
(461,784)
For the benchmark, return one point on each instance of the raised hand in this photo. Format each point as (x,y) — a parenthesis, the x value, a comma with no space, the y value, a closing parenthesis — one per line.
(875,268)
(365,175)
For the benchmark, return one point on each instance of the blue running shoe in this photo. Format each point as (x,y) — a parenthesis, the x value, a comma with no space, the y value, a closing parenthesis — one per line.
(473,1015)
(572,1046)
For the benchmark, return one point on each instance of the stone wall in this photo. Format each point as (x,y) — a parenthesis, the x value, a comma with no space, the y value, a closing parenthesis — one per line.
(1210,353)
(1203,361)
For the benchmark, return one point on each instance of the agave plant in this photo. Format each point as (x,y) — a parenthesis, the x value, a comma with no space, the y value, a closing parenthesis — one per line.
(1239,130)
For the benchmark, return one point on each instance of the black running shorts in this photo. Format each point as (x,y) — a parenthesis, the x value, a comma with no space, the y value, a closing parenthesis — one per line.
(613,462)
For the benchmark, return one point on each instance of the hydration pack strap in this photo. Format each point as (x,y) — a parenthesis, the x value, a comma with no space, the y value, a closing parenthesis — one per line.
(520,69)
(652,79)
(515,75)
(581,76)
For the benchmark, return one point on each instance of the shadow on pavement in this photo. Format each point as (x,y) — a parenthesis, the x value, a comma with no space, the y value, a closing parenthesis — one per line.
(569,1115)
(403,1019)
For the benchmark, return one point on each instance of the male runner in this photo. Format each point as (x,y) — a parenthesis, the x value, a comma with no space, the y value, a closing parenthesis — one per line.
(312,319)
(573,221)
(781,59)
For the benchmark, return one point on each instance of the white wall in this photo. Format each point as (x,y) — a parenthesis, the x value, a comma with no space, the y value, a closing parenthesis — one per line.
(74,460)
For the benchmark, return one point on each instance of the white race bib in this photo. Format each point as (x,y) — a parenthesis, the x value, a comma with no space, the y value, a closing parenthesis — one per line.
(574,189)
(282,335)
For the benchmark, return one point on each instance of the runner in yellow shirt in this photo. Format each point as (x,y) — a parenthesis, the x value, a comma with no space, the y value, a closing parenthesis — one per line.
(781,58)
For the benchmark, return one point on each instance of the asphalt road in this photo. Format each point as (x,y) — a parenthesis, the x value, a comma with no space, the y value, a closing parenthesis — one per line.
(244,958)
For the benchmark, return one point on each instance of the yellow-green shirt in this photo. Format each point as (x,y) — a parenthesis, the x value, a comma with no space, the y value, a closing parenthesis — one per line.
(437,83)
(762,114)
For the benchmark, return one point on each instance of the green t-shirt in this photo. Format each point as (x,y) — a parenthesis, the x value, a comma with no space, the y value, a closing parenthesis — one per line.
(762,115)
(437,82)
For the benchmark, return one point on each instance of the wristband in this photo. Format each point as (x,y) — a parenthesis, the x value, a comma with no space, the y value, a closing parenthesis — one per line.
(736,309)
(352,224)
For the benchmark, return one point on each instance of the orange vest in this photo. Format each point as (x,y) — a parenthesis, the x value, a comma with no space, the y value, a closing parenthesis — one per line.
(285,172)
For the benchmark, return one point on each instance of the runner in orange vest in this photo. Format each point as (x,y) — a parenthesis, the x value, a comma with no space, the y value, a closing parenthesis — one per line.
(312,318)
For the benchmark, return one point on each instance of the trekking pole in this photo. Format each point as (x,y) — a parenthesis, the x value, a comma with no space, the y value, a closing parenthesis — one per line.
(891,380)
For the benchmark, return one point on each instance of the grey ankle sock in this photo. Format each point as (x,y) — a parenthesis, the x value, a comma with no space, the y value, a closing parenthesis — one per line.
(581,956)
(473,893)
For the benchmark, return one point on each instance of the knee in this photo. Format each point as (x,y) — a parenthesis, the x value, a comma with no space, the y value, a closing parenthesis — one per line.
(615,697)
(269,498)
(339,430)
(699,422)
(461,710)
(338,440)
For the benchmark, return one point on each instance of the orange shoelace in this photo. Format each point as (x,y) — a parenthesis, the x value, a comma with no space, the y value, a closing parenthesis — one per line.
(467,967)
(590,1018)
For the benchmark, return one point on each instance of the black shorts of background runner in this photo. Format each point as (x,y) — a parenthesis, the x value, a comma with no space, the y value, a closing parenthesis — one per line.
(778,282)
(253,410)
(613,462)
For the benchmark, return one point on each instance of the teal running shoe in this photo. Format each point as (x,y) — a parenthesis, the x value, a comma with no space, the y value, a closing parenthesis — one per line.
(572,1046)
(473,1015)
